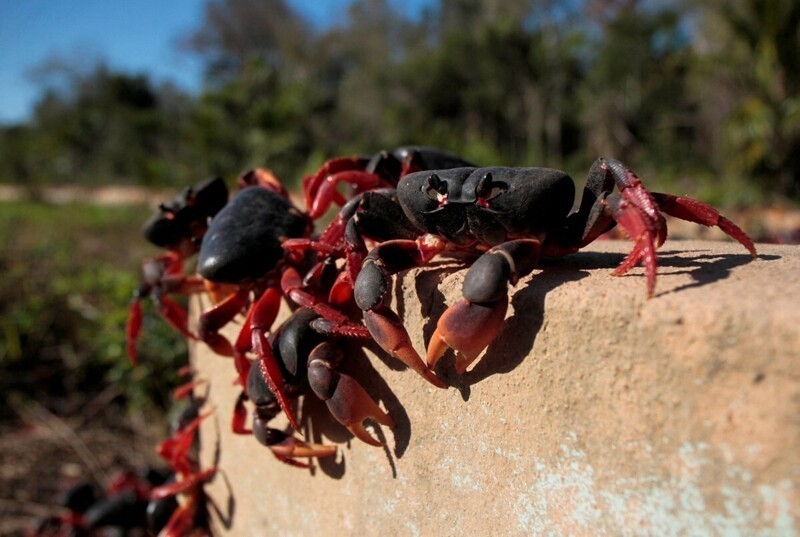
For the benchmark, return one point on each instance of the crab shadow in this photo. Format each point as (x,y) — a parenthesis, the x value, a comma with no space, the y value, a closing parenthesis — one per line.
(704,267)
(518,336)
(223,515)
(223,510)
(515,340)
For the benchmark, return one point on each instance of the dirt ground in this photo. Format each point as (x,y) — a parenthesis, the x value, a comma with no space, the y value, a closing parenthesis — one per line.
(41,454)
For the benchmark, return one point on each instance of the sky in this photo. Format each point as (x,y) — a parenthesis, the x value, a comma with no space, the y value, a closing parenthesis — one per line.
(134,36)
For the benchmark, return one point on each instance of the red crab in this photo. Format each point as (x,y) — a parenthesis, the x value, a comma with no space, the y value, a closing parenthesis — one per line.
(177,227)
(309,361)
(181,501)
(510,217)
(243,247)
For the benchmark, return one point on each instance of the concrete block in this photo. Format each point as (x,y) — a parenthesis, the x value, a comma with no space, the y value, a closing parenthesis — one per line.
(595,412)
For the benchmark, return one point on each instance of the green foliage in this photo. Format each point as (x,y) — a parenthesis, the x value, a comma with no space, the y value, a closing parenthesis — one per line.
(63,306)
(708,89)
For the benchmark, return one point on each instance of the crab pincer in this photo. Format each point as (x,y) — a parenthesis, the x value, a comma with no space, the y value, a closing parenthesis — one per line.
(370,292)
(346,399)
(511,217)
(177,226)
(472,323)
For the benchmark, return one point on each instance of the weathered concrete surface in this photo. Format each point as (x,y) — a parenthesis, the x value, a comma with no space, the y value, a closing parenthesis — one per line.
(595,412)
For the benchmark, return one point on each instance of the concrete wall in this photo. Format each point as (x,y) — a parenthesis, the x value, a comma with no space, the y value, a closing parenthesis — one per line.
(595,412)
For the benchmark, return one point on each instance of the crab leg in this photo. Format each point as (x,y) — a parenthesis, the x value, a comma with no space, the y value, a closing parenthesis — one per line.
(638,212)
(133,328)
(288,448)
(272,373)
(182,518)
(181,521)
(471,324)
(698,212)
(175,315)
(184,390)
(262,316)
(170,310)
(175,449)
(162,277)
(336,322)
(642,230)
(361,180)
(312,183)
(183,485)
(320,190)
(215,318)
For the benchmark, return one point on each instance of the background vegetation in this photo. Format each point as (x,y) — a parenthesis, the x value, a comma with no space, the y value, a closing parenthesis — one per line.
(71,406)
(700,96)
(69,272)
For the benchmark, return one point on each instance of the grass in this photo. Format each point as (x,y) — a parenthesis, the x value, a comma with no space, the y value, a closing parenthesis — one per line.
(68,276)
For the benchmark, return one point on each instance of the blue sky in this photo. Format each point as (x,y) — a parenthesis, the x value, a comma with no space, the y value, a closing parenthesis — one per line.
(136,36)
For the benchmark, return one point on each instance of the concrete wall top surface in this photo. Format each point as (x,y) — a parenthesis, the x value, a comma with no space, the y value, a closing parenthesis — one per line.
(595,412)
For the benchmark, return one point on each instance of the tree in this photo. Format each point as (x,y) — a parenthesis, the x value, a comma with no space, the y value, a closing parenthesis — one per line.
(635,101)
(236,33)
(106,126)
(756,60)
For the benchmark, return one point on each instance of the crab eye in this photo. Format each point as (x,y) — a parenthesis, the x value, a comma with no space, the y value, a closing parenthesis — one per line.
(487,189)
(435,188)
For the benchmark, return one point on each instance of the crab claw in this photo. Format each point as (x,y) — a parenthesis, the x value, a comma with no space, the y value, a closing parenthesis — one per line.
(388,331)
(347,400)
(467,328)
(341,292)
